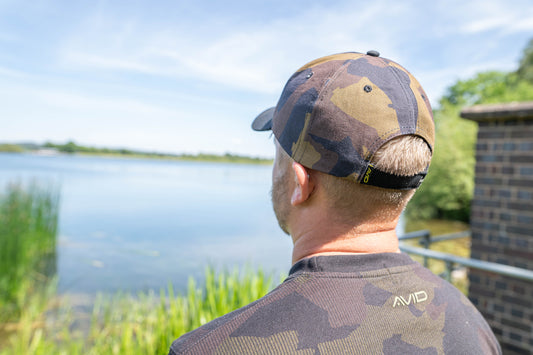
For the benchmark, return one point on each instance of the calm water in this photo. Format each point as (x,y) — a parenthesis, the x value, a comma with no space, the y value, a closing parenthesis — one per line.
(133,224)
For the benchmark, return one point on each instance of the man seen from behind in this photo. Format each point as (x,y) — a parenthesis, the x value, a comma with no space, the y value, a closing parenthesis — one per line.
(354,136)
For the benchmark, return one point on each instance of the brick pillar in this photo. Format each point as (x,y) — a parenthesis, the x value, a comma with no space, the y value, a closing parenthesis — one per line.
(502,219)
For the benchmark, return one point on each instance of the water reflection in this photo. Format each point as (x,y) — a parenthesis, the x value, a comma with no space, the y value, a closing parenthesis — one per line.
(133,224)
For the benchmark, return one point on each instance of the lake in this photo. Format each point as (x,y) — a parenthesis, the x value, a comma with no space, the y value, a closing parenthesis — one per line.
(135,224)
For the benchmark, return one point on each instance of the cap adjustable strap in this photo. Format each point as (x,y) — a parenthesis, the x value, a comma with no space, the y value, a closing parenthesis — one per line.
(375,177)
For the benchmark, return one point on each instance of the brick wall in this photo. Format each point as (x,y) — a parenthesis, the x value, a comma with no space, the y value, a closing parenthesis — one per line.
(502,220)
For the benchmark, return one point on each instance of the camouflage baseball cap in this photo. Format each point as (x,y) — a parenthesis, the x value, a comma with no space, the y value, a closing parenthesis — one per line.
(337,111)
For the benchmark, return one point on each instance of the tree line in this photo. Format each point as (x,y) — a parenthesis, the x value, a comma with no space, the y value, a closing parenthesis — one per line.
(72,148)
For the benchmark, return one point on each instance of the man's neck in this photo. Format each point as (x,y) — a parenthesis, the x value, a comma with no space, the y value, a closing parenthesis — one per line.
(379,242)
(322,238)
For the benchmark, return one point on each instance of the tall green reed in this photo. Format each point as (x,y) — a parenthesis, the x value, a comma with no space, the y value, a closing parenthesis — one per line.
(142,324)
(34,320)
(28,229)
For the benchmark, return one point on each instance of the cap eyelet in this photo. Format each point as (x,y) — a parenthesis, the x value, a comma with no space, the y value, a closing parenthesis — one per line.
(367,88)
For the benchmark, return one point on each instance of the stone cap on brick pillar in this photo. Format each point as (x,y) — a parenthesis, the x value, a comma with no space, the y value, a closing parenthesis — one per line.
(512,110)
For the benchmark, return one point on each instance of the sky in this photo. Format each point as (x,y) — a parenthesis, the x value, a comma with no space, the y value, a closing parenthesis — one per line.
(189,76)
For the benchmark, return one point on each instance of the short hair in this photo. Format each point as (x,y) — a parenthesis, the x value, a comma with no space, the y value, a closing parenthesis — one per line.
(404,156)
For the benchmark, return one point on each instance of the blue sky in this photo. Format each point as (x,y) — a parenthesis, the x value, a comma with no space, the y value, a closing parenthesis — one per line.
(189,76)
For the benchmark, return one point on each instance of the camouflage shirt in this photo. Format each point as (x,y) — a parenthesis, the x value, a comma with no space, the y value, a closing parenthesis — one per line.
(350,304)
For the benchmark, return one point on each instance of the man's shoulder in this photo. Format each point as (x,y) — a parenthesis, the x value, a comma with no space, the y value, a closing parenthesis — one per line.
(211,336)
(377,308)
(185,343)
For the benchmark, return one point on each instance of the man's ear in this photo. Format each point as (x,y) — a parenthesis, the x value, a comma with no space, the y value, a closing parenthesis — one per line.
(303,187)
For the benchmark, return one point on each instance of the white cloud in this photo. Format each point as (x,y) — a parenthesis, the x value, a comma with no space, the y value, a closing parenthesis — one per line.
(108,62)
(68,100)
(502,16)
(12,73)
(252,58)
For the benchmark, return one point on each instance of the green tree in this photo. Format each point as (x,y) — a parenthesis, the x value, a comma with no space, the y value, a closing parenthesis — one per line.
(525,69)
(70,147)
(488,87)
(448,189)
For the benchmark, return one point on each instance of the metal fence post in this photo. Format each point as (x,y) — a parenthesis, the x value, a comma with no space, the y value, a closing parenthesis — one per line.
(426,241)
(449,269)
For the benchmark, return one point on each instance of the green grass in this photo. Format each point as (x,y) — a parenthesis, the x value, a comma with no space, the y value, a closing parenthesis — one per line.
(28,228)
(11,148)
(125,324)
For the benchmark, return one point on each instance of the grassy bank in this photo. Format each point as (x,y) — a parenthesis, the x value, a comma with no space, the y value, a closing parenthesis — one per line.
(28,227)
(123,324)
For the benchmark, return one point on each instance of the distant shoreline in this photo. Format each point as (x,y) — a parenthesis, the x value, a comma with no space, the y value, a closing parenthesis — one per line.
(74,149)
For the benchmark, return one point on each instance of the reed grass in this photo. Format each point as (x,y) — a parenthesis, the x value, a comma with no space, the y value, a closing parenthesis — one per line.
(34,320)
(143,324)
(28,228)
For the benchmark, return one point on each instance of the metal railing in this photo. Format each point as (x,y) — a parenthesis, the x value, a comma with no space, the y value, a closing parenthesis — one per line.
(451,260)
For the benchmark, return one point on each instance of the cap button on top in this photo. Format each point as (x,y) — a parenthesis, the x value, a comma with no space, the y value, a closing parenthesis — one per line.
(373,53)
